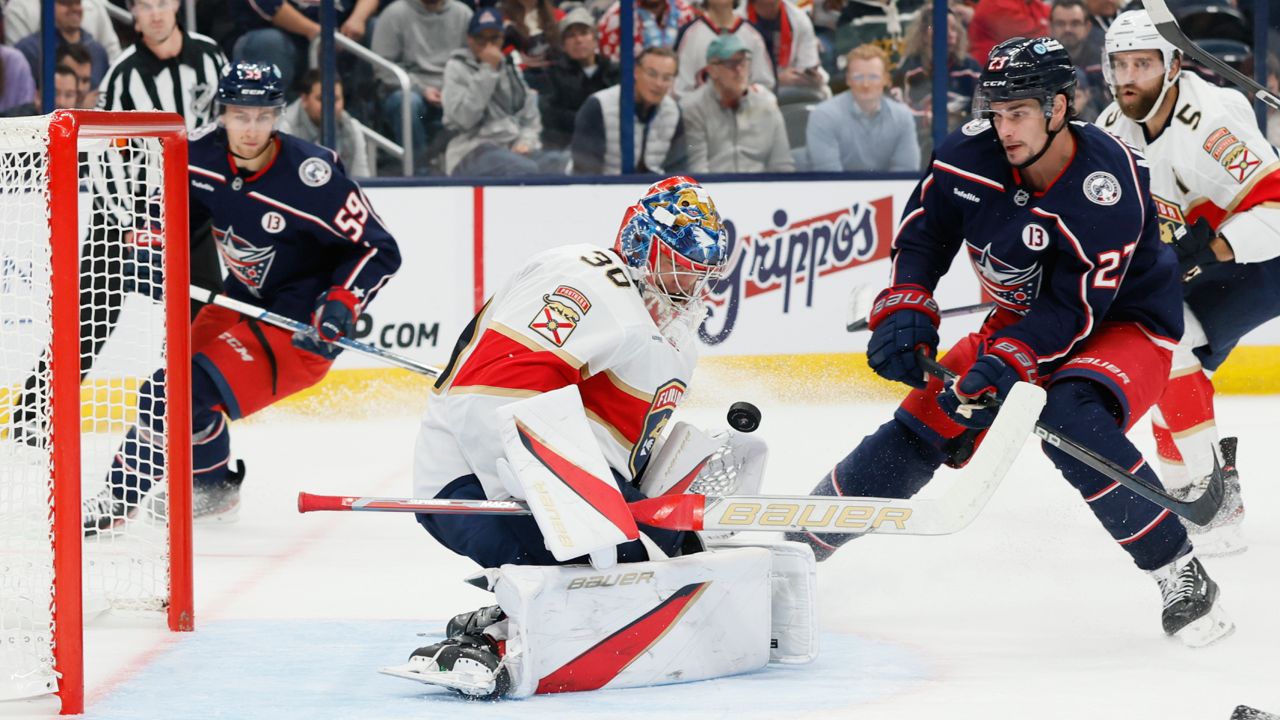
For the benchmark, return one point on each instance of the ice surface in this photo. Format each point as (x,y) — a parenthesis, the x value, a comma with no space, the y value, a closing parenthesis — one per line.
(1031,612)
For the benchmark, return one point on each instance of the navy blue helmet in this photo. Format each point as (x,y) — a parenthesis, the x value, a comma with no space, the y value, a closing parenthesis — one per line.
(1022,68)
(251,85)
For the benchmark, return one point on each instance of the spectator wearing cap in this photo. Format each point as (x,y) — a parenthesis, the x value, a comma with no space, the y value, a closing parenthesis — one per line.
(861,129)
(419,36)
(793,47)
(995,21)
(490,109)
(657,24)
(731,124)
(716,18)
(659,144)
(68,16)
(22,18)
(303,119)
(578,71)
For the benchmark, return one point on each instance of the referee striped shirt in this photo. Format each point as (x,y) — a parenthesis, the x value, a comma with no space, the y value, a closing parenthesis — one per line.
(138,80)
(185,84)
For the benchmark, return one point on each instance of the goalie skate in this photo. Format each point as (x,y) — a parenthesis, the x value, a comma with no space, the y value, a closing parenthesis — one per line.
(1191,609)
(105,511)
(1224,535)
(466,665)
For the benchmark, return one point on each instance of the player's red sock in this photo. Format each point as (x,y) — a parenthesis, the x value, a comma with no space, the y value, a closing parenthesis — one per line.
(1187,410)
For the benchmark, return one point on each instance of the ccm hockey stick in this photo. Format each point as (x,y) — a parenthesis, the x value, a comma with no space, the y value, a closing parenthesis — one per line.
(863,297)
(208,296)
(1199,511)
(970,489)
(1168,28)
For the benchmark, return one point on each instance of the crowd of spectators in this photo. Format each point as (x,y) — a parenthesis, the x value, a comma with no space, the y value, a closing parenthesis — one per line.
(521,87)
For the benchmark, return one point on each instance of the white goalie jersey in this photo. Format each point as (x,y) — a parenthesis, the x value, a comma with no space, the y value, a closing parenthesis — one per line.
(571,316)
(1210,161)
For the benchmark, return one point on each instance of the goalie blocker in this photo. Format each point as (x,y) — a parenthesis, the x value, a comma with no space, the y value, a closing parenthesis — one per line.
(712,614)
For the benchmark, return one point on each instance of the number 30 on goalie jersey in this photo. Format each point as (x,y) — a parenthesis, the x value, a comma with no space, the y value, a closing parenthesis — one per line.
(571,316)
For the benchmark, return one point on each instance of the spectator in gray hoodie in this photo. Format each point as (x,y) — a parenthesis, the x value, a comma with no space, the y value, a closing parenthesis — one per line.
(419,36)
(303,117)
(491,110)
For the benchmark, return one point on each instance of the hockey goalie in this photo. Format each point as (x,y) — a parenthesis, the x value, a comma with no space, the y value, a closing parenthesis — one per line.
(558,393)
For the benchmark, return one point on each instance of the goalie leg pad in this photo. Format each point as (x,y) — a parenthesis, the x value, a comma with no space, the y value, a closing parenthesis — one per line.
(793,585)
(554,463)
(651,623)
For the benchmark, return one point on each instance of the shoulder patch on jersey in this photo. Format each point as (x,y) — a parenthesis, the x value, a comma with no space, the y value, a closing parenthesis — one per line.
(314,172)
(1102,188)
(1218,141)
(556,321)
(573,295)
(977,126)
(1240,163)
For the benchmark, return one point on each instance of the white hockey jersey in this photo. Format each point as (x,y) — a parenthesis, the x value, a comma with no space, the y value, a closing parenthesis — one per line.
(1211,161)
(571,316)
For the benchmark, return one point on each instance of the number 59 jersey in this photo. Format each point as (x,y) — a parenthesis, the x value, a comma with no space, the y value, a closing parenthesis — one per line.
(292,230)
(571,316)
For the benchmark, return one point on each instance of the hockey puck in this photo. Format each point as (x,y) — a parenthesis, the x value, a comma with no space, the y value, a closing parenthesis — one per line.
(743,417)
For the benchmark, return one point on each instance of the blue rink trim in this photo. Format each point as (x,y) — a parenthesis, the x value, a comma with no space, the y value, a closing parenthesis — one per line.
(315,670)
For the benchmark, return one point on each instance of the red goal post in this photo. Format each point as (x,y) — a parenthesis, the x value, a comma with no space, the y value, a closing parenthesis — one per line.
(103,165)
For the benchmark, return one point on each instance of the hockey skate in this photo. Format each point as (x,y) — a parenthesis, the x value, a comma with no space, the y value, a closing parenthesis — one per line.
(1191,609)
(105,511)
(467,664)
(1224,535)
(218,501)
(474,622)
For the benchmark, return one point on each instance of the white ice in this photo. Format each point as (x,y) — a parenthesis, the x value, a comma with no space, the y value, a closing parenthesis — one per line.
(1031,612)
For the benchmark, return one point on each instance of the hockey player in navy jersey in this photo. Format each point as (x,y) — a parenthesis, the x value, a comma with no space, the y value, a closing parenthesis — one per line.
(1056,218)
(298,238)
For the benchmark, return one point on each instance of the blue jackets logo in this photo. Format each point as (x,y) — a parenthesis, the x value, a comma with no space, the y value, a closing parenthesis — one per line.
(247,263)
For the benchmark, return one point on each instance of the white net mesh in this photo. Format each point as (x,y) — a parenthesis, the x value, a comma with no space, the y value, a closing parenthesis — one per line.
(122,343)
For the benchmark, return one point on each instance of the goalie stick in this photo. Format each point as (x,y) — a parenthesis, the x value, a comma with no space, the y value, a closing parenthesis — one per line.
(971,488)
(208,296)
(1167,26)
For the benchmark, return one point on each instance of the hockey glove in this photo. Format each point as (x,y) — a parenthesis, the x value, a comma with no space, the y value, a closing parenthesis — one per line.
(143,266)
(333,319)
(974,399)
(903,319)
(1191,245)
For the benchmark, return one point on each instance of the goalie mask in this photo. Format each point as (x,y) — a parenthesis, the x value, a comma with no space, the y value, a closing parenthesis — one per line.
(675,246)
(1134,30)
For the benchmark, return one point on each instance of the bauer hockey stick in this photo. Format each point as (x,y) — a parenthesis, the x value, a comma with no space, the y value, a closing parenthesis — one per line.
(970,490)
(1167,26)
(1199,511)
(863,297)
(208,296)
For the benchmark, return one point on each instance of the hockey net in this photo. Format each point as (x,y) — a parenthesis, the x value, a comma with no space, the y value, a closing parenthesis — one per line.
(79,192)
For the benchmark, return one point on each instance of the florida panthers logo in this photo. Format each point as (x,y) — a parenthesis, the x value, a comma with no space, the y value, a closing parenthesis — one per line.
(1011,287)
(247,263)
(655,421)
